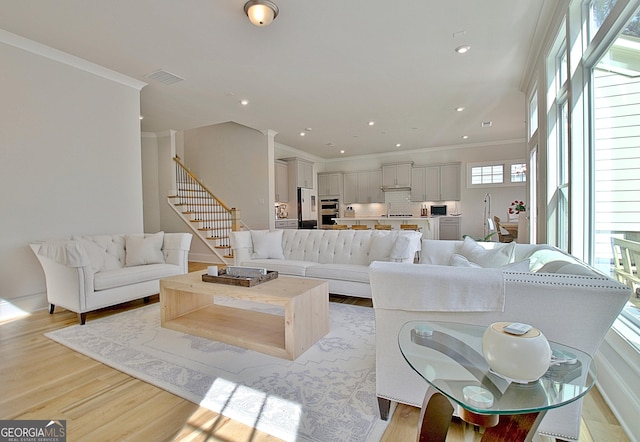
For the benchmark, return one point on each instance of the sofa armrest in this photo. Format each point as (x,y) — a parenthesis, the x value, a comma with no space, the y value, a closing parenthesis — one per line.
(434,288)
(176,248)
(66,285)
(242,246)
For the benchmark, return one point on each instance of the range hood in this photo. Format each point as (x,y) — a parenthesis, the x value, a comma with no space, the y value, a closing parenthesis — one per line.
(394,188)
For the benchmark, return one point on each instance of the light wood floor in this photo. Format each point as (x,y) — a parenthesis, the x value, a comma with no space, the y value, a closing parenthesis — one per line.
(42,379)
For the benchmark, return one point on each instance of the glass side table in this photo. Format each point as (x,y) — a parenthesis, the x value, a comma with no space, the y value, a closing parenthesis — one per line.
(449,357)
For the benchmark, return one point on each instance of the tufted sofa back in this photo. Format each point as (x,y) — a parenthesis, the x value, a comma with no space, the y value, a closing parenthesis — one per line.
(328,246)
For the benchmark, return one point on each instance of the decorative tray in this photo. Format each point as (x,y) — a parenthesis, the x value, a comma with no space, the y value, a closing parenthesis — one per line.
(243,281)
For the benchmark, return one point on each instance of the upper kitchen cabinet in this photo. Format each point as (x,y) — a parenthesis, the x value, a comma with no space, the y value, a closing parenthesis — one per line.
(436,183)
(450,182)
(329,184)
(301,171)
(282,182)
(396,175)
(363,187)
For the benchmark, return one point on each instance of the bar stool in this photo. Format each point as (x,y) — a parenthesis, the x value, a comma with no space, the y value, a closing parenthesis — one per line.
(339,227)
(359,227)
(409,227)
(382,227)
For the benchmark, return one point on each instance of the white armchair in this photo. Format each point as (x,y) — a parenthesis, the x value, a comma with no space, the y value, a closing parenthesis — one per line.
(571,303)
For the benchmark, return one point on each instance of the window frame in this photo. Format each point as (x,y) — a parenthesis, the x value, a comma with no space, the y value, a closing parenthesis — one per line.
(506,174)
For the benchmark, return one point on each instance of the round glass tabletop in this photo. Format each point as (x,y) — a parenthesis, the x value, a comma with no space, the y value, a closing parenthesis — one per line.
(449,357)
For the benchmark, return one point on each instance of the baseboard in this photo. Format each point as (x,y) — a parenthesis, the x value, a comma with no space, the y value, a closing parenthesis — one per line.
(618,367)
(204,257)
(22,306)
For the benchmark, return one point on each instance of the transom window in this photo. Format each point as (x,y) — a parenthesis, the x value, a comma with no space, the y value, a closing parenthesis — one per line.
(498,173)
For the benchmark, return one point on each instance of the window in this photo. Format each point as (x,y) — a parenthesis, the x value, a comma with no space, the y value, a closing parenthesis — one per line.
(533,114)
(487,174)
(599,10)
(616,153)
(518,172)
(502,173)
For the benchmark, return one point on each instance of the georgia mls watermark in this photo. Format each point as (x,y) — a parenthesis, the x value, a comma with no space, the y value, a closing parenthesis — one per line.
(33,431)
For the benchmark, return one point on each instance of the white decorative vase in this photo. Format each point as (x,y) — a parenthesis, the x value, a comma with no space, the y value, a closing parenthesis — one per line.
(521,358)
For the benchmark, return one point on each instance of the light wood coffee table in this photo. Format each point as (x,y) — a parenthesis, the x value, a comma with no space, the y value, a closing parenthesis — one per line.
(187,304)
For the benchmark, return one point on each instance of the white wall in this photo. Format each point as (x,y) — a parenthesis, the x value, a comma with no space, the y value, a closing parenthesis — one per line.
(70,159)
(233,162)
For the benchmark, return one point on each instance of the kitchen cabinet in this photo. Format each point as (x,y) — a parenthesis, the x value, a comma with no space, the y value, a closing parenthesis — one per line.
(450,182)
(304,173)
(300,173)
(329,184)
(435,183)
(282,182)
(450,227)
(396,175)
(363,187)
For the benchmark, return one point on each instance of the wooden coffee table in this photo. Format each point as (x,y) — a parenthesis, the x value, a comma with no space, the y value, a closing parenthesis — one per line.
(187,304)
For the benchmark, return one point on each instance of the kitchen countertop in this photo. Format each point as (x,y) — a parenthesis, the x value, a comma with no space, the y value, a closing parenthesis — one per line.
(397,218)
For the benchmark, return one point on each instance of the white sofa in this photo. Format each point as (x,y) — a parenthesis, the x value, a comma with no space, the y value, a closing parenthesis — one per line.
(568,301)
(341,257)
(86,273)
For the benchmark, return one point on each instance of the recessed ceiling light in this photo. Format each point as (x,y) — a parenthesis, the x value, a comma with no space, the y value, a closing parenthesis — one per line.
(398,144)
(141,117)
(302,134)
(371,123)
(463,49)
(464,137)
(459,108)
(244,102)
(342,151)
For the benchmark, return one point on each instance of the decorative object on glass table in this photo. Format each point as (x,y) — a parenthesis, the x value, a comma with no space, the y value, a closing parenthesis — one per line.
(522,357)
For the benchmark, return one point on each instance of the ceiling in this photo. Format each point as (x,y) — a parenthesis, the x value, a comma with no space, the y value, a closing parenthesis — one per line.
(331,66)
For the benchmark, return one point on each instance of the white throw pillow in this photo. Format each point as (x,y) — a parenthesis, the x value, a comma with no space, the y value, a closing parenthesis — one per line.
(381,245)
(494,258)
(460,261)
(400,250)
(518,266)
(267,244)
(144,249)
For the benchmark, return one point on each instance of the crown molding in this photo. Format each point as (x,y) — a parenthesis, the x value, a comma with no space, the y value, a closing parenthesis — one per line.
(70,60)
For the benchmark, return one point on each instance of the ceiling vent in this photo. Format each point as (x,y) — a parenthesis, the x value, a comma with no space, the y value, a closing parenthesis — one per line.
(164,77)
(487,123)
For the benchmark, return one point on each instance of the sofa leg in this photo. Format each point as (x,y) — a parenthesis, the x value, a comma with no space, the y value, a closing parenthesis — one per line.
(82,317)
(146,299)
(51,308)
(384,405)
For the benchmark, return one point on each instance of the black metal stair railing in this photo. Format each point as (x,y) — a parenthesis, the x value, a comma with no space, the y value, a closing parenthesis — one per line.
(198,204)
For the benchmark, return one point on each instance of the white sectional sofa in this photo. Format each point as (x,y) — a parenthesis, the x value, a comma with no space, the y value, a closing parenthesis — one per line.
(85,273)
(482,283)
(341,257)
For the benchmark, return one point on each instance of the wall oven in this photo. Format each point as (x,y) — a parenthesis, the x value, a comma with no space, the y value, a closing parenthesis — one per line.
(329,208)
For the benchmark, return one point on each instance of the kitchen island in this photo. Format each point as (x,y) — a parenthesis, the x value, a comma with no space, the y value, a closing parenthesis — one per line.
(428,225)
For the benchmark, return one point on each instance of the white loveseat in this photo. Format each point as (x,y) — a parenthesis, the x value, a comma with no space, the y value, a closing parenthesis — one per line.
(341,257)
(568,301)
(86,273)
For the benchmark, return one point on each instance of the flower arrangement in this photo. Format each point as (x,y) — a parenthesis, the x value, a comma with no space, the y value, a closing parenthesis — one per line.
(517,207)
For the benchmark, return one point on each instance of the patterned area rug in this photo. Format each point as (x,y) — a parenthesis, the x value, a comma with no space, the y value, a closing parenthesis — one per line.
(327,394)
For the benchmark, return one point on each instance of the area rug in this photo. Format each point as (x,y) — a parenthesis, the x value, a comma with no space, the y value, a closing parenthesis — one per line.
(326,394)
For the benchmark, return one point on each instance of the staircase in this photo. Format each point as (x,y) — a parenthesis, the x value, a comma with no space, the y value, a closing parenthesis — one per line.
(207,217)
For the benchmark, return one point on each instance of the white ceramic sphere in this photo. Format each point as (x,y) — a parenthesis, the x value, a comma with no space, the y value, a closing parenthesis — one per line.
(523,358)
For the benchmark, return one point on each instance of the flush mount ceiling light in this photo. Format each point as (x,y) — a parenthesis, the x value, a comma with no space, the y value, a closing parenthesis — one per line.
(463,49)
(261,12)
